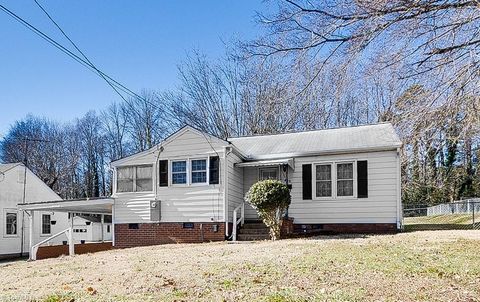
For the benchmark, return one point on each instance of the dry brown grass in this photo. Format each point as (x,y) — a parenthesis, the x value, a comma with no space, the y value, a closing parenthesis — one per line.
(421,266)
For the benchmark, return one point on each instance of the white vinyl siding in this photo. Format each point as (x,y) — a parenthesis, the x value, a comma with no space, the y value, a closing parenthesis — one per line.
(179,203)
(235,184)
(11,194)
(379,207)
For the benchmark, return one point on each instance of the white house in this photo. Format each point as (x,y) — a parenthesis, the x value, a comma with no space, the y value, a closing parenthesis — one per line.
(88,228)
(187,188)
(18,185)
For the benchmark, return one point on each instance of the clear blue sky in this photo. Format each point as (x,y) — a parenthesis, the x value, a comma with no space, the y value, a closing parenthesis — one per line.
(139,43)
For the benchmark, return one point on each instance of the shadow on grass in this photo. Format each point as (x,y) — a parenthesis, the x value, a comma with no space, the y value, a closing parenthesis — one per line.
(339,236)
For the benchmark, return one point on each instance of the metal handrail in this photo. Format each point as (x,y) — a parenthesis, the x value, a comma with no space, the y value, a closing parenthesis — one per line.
(238,221)
(71,248)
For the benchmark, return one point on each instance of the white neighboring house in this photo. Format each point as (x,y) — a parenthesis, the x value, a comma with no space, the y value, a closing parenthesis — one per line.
(89,228)
(15,189)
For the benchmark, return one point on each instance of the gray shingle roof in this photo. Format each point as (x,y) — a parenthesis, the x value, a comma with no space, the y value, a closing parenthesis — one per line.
(328,141)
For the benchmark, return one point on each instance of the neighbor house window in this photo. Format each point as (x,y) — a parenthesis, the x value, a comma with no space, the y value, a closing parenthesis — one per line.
(199,171)
(323,178)
(134,179)
(108,228)
(46,225)
(11,223)
(345,179)
(268,173)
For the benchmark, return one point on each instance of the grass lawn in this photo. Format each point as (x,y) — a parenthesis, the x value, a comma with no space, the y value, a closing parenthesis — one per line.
(418,266)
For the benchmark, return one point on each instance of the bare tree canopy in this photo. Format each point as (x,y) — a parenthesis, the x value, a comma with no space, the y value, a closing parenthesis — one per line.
(436,42)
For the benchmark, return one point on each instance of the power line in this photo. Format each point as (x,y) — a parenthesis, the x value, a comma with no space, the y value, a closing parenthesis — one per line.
(70,53)
(78,49)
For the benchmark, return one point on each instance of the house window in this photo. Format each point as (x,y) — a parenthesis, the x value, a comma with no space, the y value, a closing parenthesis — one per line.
(143,180)
(323,179)
(179,172)
(134,179)
(125,177)
(268,173)
(108,228)
(199,171)
(345,179)
(46,225)
(11,223)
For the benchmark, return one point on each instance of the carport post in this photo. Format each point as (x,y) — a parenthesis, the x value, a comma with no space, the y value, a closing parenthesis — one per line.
(103,226)
(30,234)
(71,244)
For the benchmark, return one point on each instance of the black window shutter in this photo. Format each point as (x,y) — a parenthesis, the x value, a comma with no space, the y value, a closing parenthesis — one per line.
(362,179)
(163,173)
(307,181)
(214,170)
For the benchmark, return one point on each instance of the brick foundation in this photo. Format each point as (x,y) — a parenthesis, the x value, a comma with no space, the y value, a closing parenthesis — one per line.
(166,232)
(346,228)
(54,251)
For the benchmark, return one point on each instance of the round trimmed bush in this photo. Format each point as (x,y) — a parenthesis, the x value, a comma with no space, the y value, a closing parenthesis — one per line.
(271,199)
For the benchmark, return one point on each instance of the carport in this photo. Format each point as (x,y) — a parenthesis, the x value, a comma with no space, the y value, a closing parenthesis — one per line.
(97,206)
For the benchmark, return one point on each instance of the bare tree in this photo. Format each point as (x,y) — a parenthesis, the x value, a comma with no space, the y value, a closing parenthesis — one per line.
(145,120)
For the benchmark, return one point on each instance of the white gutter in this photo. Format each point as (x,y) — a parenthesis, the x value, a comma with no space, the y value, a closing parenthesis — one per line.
(399,191)
(225,187)
(326,152)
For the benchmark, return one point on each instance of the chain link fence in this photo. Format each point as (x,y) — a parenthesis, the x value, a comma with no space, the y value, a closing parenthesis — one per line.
(459,215)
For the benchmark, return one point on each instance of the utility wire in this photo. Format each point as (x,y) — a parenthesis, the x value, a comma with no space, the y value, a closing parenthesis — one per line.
(78,49)
(71,54)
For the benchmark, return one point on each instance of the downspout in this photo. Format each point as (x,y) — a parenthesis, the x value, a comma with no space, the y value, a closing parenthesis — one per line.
(114,189)
(399,192)
(157,172)
(225,188)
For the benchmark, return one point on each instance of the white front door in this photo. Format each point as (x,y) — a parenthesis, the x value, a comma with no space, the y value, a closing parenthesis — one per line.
(251,176)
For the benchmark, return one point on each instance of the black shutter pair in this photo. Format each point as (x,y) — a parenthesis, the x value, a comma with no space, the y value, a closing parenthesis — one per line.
(214,171)
(362,180)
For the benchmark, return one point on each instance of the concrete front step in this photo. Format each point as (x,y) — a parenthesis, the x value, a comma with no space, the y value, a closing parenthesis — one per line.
(256,225)
(252,237)
(253,231)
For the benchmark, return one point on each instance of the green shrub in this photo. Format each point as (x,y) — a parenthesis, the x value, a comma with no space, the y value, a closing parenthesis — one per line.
(271,199)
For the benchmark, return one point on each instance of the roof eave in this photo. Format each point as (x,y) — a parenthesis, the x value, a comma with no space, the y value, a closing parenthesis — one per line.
(326,152)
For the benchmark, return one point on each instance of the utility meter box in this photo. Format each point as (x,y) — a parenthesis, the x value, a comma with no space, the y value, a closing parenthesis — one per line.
(155,210)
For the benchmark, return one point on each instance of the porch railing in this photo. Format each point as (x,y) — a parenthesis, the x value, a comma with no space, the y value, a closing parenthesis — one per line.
(238,221)
(71,247)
